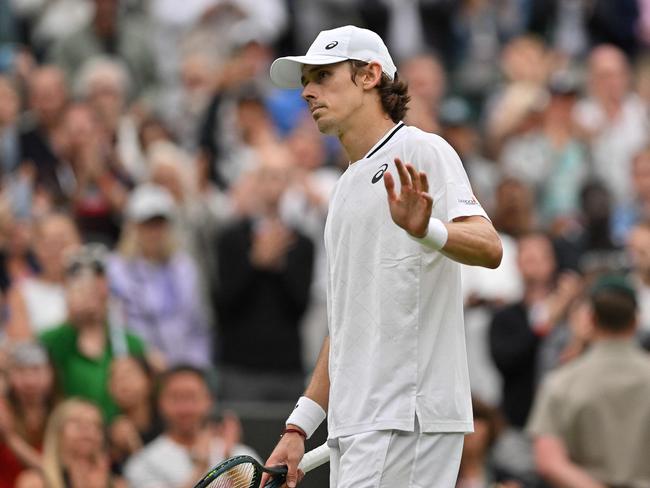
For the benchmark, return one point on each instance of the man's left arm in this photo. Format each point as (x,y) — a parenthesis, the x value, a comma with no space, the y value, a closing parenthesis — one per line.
(469,240)
(474,241)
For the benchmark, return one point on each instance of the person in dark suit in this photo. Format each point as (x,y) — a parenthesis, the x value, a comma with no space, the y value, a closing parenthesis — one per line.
(265,274)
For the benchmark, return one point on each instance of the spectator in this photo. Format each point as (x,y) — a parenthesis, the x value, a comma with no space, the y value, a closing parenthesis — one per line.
(24,410)
(637,210)
(427,85)
(105,85)
(83,348)
(111,32)
(516,336)
(517,330)
(589,420)
(613,119)
(38,303)
(132,386)
(189,445)
(202,210)
(588,246)
(265,271)
(184,107)
(514,209)
(157,283)
(100,190)
(550,158)
(305,205)
(74,453)
(41,137)
(525,62)
(638,247)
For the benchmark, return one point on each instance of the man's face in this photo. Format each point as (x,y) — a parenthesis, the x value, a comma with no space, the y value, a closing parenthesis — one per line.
(536,259)
(185,403)
(331,95)
(87,297)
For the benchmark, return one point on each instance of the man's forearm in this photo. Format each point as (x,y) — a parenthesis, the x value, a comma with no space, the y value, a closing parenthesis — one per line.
(319,386)
(555,466)
(473,241)
(568,475)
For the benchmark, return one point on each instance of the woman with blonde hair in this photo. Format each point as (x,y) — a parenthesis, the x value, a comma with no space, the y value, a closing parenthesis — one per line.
(74,453)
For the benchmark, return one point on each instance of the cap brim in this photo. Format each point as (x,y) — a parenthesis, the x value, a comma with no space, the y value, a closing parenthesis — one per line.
(287,72)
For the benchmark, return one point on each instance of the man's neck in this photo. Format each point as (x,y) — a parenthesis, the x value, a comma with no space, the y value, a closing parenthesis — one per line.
(364,132)
(92,340)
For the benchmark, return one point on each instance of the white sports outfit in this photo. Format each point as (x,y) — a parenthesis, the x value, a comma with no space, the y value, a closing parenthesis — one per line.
(397,344)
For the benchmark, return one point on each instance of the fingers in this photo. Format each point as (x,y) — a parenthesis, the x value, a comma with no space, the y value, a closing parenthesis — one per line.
(265,478)
(292,472)
(409,177)
(389,183)
(424,182)
(404,178)
(415,178)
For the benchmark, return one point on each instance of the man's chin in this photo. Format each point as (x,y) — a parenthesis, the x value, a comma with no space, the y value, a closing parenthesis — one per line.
(325,126)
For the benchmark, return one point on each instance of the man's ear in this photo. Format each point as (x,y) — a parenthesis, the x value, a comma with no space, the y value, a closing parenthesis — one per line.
(371,76)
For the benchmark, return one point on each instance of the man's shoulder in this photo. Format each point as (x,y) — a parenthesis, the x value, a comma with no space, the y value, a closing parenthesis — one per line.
(563,378)
(415,134)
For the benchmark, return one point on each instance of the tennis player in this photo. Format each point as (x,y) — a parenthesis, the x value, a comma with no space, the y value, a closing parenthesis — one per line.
(392,375)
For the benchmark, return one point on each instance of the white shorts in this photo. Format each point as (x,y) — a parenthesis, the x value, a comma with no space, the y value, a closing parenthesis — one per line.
(395,459)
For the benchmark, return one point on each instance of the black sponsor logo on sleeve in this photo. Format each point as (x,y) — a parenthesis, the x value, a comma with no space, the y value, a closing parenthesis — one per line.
(380,173)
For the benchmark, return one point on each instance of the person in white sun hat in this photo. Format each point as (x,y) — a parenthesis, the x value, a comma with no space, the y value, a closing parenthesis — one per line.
(392,374)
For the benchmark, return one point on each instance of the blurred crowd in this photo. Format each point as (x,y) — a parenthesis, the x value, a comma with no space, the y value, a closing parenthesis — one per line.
(162,209)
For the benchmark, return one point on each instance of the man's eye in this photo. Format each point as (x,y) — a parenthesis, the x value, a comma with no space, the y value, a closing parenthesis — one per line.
(322,74)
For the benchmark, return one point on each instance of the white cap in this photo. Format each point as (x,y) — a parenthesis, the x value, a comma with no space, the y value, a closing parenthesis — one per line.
(148,201)
(334,46)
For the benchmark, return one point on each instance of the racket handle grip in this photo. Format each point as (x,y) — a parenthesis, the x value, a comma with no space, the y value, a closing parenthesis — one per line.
(315,458)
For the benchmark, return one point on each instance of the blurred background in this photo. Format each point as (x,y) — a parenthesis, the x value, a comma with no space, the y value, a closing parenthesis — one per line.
(162,273)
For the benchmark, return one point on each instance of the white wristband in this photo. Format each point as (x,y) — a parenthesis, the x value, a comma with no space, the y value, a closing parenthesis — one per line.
(307,415)
(436,236)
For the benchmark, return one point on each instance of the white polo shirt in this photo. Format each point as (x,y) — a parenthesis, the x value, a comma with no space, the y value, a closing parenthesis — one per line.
(397,343)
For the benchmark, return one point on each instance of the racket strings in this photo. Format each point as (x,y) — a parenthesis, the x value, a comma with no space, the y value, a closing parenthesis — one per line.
(240,476)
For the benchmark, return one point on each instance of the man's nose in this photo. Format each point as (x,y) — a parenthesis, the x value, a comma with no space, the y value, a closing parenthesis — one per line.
(308,92)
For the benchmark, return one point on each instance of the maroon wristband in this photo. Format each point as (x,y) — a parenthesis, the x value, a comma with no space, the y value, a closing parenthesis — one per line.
(290,430)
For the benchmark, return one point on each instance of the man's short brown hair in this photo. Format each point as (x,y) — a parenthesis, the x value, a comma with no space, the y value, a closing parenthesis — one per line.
(614,304)
(393,93)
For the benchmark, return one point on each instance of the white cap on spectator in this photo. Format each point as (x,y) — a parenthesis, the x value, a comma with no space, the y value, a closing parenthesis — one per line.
(333,46)
(148,201)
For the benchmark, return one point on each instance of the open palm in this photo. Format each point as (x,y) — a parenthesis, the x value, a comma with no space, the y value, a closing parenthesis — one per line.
(411,208)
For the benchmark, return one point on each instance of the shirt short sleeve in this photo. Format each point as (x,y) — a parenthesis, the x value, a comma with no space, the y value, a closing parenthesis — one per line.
(448,182)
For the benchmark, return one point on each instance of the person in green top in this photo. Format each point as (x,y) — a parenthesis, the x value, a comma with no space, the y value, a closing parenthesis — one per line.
(83,349)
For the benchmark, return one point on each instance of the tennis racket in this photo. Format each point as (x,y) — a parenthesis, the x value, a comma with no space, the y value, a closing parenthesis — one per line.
(246,472)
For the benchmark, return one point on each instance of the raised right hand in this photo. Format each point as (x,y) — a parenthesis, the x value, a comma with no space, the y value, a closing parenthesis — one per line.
(289,451)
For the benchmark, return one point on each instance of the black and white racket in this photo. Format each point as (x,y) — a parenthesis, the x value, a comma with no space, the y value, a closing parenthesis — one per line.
(246,472)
